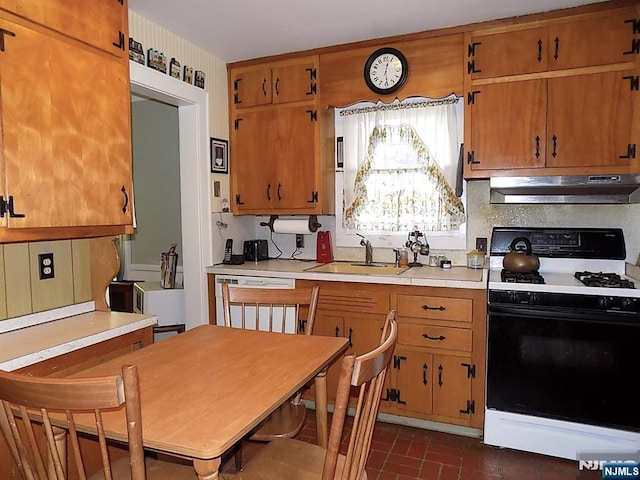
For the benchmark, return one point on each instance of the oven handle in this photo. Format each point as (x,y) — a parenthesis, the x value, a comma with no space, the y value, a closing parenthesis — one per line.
(565,314)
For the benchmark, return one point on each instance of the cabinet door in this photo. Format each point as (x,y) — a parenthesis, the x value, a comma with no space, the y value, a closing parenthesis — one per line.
(294,153)
(97,22)
(508,125)
(413,373)
(65,132)
(601,40)
(451,386)
(252,167)
(294,83)
(590,120)
(509,53)
(252,87)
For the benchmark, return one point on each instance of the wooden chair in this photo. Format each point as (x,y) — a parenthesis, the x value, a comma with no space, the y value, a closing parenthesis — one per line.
(37,415)
(276,310)
(289,459)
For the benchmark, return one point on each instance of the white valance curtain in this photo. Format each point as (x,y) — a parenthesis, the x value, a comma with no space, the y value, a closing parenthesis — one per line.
(400,166)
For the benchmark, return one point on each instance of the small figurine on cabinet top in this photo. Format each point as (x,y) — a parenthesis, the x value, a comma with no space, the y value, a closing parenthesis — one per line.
(157,60)
(199,79)
(136,53)
(174,68)
(188,75)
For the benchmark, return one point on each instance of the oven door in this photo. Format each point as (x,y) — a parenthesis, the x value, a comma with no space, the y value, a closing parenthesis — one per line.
(569,365)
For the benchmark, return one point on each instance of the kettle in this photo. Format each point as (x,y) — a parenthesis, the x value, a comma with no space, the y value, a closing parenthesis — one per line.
(521,260)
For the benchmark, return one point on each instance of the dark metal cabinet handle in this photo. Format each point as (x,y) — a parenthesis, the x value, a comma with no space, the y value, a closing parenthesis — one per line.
(427,307)
(424,373)
(126,199)
(429,337)
(278,86)
(264,87)
(268,191)
(350,334)
(537,146)
(278,191)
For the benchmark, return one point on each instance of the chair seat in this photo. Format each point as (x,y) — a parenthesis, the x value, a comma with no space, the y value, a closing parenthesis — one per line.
(156,470)
(285,422)
(287,459)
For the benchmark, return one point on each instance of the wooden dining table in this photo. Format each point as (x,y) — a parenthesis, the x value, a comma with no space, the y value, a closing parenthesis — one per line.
(204,390)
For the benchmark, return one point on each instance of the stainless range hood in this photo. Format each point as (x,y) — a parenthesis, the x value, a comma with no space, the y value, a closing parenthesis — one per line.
(595,189)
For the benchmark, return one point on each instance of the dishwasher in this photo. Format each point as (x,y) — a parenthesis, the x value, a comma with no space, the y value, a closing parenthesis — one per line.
(263,316)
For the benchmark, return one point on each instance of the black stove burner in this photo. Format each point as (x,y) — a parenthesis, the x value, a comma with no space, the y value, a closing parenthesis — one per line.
(608,280)
(521,277)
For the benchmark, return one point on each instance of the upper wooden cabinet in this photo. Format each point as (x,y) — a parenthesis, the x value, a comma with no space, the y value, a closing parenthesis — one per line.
(65,162)
(607,38)
(283,175)
(102,24)
(554,97)
(281,144)
(286,82)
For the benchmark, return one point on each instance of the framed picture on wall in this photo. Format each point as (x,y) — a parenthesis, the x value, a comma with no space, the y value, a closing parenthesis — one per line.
(219,156)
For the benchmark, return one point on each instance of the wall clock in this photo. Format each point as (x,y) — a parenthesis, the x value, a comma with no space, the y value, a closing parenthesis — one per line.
(386,70)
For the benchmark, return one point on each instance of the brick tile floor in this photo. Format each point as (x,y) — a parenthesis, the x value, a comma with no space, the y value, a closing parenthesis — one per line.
(408,453)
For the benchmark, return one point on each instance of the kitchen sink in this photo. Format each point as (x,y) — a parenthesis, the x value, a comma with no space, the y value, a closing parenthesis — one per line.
(358,268)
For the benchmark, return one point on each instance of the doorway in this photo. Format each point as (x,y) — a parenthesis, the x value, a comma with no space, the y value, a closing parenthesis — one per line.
(193,121)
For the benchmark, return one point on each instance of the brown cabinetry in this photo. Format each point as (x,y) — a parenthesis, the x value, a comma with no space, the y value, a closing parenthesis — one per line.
(601,39)
(274,84)
(281,145)
(434,369)
(437,371)
(66,151)
(552,98)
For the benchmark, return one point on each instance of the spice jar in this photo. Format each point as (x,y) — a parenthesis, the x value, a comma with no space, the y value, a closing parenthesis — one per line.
(475,259)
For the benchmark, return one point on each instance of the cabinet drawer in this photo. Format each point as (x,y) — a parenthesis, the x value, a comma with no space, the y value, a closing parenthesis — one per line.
(436,308)
(346,300)
(448,338)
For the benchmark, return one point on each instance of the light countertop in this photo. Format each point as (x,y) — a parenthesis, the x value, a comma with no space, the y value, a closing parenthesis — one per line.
(26,346)
(456,277)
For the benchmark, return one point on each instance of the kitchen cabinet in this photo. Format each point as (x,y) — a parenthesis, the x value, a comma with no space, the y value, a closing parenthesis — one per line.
(67,364)
(282,175)
(281,143)
(437,371)
(277,83)
(353,311)
(567,108)
(606,38)
(433,374)
(575,121)
(102,24)
(65,165)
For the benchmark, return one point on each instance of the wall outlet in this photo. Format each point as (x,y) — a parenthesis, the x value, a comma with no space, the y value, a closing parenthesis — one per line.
(299,240)
(481,244)
(45,266)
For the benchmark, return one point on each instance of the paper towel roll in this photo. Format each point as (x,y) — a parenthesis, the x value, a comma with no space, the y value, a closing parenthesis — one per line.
(291,226)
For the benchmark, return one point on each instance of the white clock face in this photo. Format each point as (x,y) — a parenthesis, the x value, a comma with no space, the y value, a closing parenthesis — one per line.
(385,71)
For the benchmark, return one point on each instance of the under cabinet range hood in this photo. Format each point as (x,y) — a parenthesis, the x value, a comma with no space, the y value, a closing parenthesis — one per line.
(596,189)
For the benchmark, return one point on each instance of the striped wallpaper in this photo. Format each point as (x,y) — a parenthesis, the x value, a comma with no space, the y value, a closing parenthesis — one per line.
(151,35)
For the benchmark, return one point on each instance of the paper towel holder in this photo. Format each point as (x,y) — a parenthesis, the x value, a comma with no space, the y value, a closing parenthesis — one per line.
(313,223)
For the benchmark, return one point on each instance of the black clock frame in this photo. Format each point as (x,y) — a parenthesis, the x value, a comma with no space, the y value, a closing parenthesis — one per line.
(373,57)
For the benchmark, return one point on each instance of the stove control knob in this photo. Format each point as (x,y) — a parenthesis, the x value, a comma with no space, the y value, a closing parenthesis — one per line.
(626,304)
(534,298)
(604,303)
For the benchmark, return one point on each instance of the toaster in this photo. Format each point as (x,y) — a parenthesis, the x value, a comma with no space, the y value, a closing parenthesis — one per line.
(256,250)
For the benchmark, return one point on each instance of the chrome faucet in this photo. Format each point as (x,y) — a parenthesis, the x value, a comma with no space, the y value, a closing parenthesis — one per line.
(368,250)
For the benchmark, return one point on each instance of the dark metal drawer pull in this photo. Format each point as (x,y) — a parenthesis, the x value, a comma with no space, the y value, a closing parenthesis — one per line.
(429,337)
(427,307)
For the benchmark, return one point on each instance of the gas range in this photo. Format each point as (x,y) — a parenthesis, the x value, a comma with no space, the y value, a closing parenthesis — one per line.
(579,268)
(556,338)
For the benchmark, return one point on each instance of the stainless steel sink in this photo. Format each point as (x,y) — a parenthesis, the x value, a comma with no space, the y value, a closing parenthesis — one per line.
(358,268)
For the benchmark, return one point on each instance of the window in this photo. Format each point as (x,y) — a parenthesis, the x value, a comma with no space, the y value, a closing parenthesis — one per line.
(401,170)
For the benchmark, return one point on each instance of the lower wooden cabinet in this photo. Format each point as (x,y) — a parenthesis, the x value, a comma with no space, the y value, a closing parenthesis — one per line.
(68,364)
(437,371)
